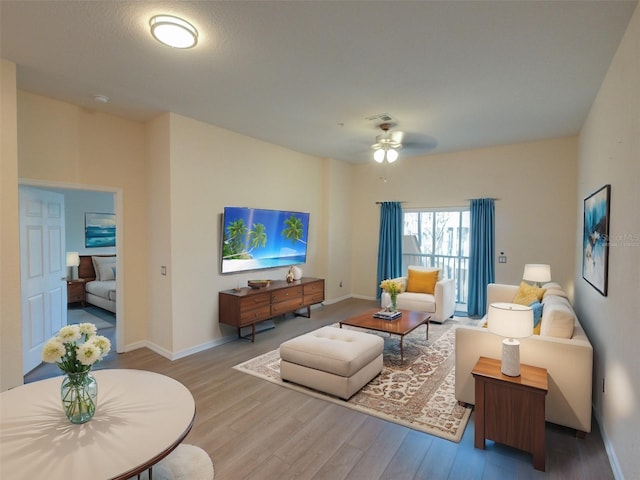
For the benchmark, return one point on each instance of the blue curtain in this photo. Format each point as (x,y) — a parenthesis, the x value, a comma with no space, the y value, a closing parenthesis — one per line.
(481,255)
(390,244)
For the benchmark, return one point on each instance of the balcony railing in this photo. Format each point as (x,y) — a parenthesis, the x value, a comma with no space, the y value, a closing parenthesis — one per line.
(452,267)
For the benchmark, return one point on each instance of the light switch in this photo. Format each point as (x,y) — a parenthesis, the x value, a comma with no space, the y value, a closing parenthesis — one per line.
(163,270)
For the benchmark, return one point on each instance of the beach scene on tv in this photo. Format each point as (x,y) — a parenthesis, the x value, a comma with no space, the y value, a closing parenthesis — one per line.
(256,238)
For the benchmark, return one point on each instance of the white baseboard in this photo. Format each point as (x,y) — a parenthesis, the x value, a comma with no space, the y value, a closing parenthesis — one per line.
(182,353)
(611,453)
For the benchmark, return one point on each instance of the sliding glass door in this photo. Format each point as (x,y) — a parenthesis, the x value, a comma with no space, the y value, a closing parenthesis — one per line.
(439,238)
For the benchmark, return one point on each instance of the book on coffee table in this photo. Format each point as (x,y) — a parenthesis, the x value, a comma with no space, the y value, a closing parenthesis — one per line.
(384,314)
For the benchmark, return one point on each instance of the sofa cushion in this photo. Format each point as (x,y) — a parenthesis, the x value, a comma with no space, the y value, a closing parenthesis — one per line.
(556,292)
(558,317)
(417,302)
(421,281)
(527,294)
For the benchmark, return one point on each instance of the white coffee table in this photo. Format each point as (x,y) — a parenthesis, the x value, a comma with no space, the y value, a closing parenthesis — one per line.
(141,417)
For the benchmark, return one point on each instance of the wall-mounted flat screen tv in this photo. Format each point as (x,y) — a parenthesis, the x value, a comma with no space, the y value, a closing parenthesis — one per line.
(255,238)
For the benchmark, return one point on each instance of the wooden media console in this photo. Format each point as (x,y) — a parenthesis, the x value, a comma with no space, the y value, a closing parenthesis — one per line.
(244,307)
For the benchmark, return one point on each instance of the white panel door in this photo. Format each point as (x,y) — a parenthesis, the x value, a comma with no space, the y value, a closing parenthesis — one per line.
(43,270)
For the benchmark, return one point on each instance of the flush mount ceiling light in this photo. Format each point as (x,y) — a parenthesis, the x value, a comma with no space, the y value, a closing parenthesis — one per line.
(100,98)
(387,145)
(173,31)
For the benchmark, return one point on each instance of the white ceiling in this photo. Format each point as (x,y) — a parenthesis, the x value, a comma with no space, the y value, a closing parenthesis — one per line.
(306,74)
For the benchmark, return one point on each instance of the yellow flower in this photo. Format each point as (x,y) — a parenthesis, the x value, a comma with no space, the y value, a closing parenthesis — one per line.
(390,286)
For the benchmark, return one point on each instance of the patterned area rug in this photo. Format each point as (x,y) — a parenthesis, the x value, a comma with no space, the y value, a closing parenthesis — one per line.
(417,393)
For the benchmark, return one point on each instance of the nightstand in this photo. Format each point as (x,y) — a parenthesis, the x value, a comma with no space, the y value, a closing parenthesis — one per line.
(510,410)
(75,291)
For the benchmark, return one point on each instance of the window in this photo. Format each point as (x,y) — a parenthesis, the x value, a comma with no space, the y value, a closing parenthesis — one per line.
(439,238)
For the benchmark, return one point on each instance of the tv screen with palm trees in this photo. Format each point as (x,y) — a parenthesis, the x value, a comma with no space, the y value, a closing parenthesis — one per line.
(255,238)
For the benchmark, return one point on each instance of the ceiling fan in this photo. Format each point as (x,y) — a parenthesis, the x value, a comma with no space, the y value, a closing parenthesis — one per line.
(389,142)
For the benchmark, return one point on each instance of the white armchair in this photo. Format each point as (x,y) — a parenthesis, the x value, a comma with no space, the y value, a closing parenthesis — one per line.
(441,304)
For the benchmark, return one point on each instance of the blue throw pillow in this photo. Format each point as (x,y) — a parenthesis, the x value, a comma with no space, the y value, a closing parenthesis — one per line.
(537,313)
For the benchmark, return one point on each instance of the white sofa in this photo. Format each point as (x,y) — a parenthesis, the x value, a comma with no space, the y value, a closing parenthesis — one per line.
(569,361)
(441,304)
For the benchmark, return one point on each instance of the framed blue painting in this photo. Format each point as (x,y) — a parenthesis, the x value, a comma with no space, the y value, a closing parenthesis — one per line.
(99,230)
(595,239)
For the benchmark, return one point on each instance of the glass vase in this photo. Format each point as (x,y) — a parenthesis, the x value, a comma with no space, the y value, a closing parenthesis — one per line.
(79,393)
(393,306)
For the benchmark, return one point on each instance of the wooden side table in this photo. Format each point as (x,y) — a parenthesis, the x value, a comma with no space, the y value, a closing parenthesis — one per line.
(75,291)
(510,410)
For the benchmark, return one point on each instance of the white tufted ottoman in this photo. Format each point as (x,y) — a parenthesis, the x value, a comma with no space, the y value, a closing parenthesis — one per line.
(332,360)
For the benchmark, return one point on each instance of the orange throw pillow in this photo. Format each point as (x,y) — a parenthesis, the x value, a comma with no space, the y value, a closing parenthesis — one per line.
(422,282)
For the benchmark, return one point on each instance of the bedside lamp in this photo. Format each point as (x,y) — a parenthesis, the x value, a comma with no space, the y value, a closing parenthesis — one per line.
(512,321)
(73,261)
(537,272)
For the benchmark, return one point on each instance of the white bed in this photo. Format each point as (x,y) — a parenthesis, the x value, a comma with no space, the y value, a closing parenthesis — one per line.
(99,273)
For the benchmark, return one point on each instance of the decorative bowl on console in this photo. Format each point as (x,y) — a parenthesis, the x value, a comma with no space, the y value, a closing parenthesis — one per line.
(258,283)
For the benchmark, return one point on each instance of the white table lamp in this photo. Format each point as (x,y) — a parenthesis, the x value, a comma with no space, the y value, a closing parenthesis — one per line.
(73,261)
(537,272)
(512,321)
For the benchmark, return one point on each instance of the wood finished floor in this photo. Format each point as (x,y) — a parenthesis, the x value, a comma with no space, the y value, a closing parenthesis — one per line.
(253,429)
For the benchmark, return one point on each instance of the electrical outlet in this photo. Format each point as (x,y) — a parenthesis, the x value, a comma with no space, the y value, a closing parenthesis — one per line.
(341,284)
(163,270)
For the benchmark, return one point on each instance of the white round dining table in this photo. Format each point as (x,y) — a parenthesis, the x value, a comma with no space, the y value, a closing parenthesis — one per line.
(140,418)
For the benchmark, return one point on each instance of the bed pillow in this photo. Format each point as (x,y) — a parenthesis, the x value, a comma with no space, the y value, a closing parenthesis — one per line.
(419,281)
(106,272)
(103,266)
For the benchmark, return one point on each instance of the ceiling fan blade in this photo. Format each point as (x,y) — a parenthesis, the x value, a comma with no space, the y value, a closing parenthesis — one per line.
(417,143)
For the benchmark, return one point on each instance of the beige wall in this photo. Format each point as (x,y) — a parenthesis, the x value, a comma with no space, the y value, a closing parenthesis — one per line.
(337,205)
(158,206)
(68,145)
(535,212)
(176,174)
(610,154)
(209,168)
(10,324)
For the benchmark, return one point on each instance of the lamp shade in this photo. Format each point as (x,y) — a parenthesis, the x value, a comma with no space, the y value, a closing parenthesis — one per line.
(510,320)
(73,259)
(537,272)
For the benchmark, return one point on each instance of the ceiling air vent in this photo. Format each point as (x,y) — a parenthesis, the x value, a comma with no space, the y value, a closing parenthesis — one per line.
(380,118)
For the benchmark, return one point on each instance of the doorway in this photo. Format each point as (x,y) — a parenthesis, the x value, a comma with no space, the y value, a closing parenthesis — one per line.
(81,199)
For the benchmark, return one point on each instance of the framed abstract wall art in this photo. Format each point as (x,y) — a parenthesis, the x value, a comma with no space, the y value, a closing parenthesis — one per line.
(595,239)
(99,230)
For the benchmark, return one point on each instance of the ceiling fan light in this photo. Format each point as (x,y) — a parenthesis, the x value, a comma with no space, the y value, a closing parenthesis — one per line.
(378,155)
(173,31)
(392,155)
